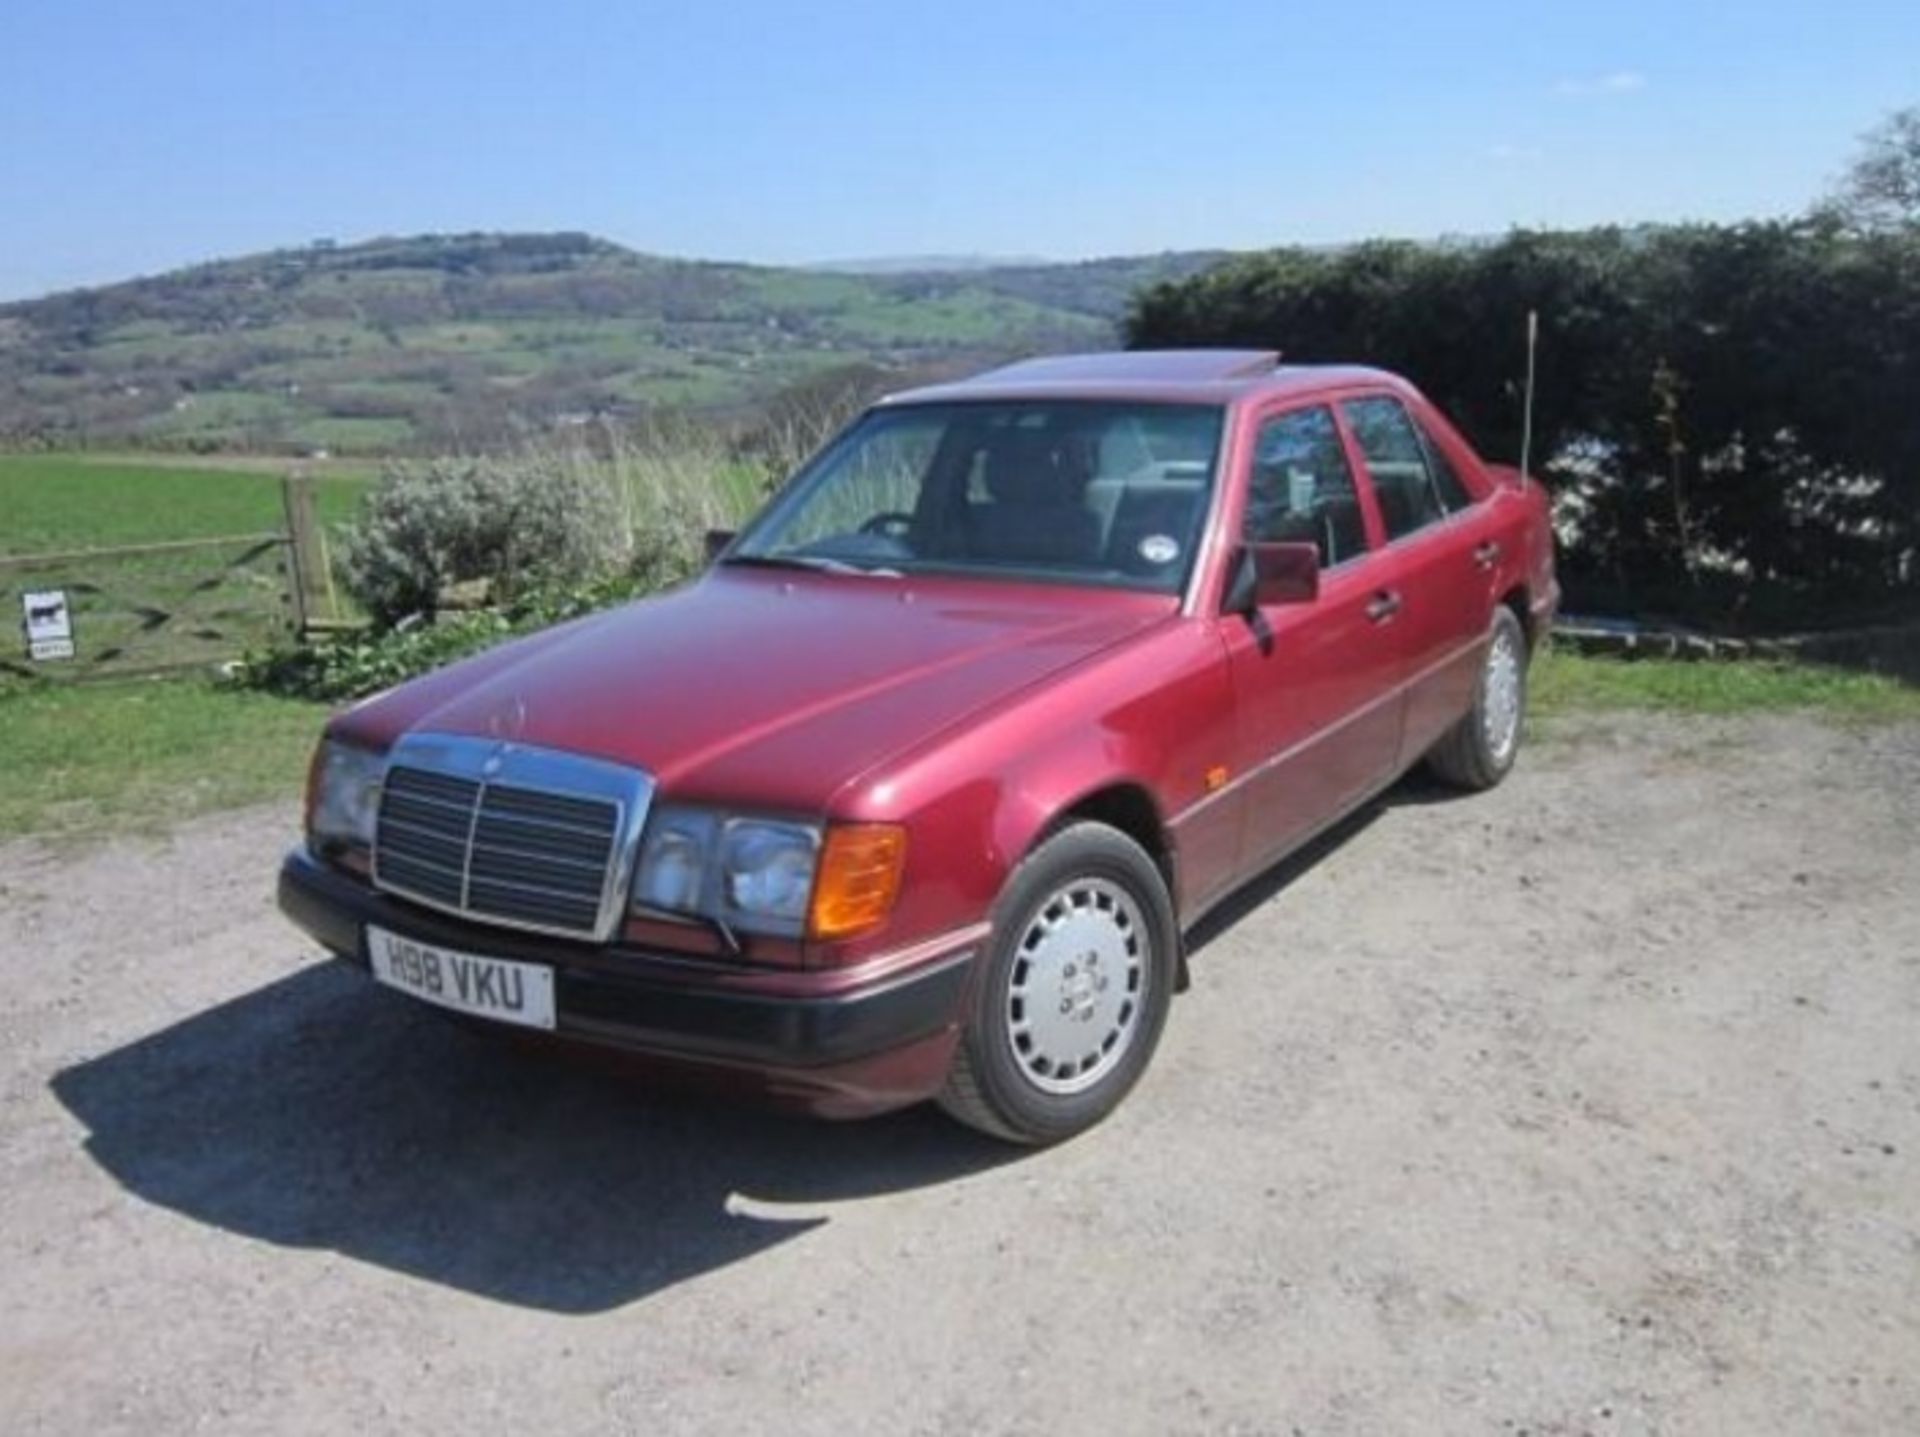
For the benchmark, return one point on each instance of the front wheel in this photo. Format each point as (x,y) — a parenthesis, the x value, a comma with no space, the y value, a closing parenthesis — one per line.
(1067,1012)
(1479,751)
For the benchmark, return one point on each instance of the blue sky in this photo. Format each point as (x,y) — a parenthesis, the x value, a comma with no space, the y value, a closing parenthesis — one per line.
(139,136)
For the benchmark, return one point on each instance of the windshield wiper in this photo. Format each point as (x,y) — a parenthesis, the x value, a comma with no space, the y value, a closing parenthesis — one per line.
(815,563)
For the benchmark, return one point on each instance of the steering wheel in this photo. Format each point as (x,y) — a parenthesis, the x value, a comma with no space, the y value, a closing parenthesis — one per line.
(894,524)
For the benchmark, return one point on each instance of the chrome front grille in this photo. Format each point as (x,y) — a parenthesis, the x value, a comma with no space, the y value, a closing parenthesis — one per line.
(526,838)
(422,834)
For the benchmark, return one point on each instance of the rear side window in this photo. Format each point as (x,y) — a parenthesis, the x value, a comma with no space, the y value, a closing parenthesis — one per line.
(1454,494)
(1397,458)
(1302,488)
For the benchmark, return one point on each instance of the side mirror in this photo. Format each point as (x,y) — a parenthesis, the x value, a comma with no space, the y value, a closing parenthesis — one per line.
(717,541)
(1268,574)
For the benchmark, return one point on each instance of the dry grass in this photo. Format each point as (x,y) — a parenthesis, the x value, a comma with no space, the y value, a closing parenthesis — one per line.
(678,477)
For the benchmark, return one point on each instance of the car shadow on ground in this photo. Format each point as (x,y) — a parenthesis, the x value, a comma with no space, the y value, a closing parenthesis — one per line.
(321,1112)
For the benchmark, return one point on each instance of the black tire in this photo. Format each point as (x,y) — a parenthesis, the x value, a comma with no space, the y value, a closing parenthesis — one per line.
(1067,893)
(1470,757)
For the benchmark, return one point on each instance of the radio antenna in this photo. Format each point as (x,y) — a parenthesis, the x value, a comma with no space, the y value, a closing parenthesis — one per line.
(1526,417)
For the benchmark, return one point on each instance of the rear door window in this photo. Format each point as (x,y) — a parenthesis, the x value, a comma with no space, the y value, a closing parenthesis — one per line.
(1397,460)
(1454,494)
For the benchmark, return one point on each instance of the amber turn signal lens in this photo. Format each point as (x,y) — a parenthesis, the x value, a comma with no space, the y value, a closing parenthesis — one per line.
(859,877)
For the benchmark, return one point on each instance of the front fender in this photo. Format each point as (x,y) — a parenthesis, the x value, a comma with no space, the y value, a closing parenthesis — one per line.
(1155,713)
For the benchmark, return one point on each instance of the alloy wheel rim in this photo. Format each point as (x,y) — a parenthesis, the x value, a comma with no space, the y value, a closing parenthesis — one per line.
(1500,710)
(1079,976)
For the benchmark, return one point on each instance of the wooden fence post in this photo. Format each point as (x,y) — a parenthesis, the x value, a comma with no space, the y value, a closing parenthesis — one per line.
(306,557)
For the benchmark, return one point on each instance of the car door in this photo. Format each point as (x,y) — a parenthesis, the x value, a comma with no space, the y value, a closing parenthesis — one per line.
(1315,683)
(1435,564)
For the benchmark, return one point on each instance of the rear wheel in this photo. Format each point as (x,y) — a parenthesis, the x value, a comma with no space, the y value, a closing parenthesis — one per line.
(1070,1006)
(1479,751)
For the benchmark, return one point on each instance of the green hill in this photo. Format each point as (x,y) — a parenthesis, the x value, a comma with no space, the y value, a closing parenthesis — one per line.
(438,339)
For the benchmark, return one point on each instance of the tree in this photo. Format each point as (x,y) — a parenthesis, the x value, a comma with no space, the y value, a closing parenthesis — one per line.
(1881,188)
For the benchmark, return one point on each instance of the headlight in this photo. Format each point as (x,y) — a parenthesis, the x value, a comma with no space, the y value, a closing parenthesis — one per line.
(673,863)
(343,795)
(767,875)
(750,873)
(766,870)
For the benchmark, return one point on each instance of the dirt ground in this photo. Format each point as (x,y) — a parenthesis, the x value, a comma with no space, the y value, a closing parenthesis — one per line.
(1588,1106)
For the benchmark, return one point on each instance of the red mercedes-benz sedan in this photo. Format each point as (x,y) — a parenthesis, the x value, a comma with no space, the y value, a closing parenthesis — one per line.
(914,793)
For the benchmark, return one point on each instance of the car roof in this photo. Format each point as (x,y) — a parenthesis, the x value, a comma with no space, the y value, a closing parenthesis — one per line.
(1180,376)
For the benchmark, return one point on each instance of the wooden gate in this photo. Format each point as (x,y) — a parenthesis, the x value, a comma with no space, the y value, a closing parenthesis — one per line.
(180,604)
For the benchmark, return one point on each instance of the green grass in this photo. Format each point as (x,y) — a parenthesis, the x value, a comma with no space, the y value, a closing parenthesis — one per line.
(1569,683)
(92,760)
(57,502)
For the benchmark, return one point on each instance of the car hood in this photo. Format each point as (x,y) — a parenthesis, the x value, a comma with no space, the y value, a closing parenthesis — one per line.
(761,687)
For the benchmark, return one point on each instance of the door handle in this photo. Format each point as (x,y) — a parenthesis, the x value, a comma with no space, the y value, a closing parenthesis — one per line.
(1487,555)
(1383,606)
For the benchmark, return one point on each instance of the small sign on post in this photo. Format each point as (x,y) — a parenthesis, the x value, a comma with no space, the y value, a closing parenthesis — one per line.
(49,624)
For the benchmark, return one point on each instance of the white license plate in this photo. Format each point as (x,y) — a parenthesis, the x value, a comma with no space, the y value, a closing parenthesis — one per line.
(465,982)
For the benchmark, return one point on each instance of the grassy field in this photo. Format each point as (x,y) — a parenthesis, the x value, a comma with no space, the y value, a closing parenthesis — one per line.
(91,760)
(58,502)
(86,761)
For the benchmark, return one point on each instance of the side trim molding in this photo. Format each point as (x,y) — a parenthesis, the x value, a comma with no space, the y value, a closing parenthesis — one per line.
(1294,750)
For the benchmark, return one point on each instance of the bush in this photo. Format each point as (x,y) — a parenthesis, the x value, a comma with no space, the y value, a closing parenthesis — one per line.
(532,520)
(353,666)
(555,529)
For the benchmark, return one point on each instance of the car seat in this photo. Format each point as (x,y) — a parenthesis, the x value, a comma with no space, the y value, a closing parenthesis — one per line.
(1035,510)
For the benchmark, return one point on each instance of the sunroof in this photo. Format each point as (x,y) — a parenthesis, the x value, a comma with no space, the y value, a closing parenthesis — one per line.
(1170,365)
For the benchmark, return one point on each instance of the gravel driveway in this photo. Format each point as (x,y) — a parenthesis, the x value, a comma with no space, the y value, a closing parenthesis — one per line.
(1588,1106)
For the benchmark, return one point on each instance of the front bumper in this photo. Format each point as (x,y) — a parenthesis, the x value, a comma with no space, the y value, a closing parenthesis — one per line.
(821,1040)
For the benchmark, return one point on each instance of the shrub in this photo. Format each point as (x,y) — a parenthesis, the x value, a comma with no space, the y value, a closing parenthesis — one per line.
(352,666)
(555,528)
(526,521)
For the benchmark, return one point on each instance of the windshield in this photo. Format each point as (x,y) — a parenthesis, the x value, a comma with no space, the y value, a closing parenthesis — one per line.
(1082,491)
